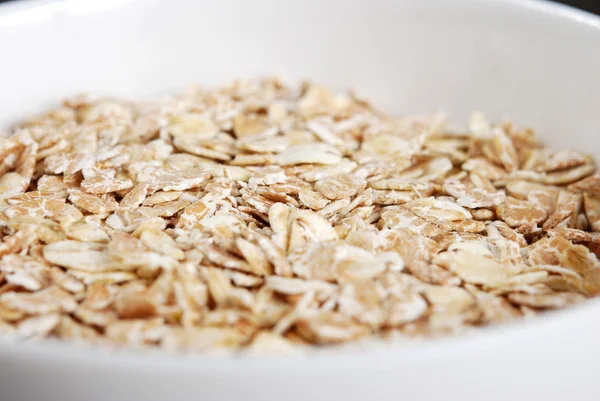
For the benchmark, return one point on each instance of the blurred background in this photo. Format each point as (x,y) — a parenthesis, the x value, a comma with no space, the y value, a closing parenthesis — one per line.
(589,5)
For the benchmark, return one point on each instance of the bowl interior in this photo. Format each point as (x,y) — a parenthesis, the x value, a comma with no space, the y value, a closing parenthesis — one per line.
(531,62)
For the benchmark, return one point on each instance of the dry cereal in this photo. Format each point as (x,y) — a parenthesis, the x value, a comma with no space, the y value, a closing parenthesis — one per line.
(269,217)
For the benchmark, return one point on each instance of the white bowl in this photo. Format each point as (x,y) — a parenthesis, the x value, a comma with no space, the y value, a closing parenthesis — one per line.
(537,62)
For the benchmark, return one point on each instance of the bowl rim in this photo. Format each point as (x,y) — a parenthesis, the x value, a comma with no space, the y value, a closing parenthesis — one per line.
(372,354)
(28,11)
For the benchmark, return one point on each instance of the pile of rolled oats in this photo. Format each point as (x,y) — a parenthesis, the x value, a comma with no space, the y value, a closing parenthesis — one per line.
(267,217)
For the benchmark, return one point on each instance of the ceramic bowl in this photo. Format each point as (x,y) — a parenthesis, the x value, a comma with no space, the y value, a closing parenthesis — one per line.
(535,62)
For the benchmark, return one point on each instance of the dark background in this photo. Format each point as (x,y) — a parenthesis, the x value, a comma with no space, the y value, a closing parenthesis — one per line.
(589,5)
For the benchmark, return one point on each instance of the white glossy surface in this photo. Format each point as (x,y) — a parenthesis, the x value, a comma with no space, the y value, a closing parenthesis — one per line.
(535,62)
